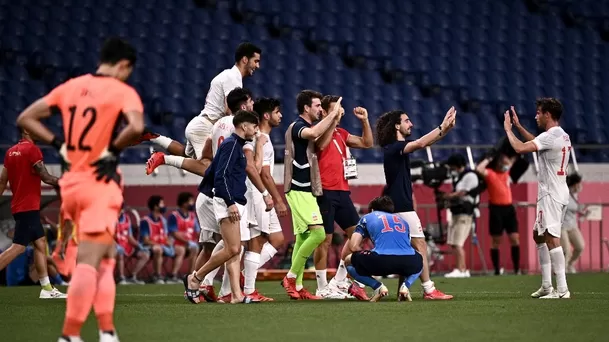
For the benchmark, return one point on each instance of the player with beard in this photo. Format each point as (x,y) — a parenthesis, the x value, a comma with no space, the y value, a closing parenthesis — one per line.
(336,168)
(393,129)
(265,229)
(553,147)
(247,61)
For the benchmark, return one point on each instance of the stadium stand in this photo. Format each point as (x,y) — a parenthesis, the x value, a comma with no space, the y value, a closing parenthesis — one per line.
(421,56)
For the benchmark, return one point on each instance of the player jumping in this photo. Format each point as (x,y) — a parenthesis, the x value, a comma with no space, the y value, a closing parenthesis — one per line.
(247,61)
(91,106)
(553,147)
(392,252)
(392,130)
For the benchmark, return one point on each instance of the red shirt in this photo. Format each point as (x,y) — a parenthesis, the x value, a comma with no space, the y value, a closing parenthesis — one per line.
(331,162)
(498,184)
(24,181)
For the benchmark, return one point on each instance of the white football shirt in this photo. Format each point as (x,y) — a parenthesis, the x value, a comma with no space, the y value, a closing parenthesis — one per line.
(221,130)
(554,150)
(219,88)
(268,158)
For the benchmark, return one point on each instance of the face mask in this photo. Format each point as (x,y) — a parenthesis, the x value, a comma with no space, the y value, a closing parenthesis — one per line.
(191,207)
(454,173)
(163,210)
(505,168)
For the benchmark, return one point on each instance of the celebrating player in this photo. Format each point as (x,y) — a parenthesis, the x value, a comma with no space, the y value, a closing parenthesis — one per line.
(392,252)
(91,106)
(336,167)
(24,169)
(265,229)
(392,130)
(237,99)
(224,184)
(247,61)
(553,147)
(302,184)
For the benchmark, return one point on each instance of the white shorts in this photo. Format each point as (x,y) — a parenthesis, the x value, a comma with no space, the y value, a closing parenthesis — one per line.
(197,131)
(221,212)
(414,223)
(205,213)
(260,220)
(550,215)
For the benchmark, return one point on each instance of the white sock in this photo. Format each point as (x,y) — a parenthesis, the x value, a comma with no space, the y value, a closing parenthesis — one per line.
(209,278)
(251,262)
(45,281)
(299,287)
(341,272)
(558,263)
(162,141)
(428,286)
(545,264)
(322,278)
(175,161)
(225,288)
(291,274)
(267,253)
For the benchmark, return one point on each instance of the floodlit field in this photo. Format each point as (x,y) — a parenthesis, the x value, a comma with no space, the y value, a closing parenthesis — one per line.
(484,309)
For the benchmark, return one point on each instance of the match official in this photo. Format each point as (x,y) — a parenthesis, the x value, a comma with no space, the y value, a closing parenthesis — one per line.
(502,214)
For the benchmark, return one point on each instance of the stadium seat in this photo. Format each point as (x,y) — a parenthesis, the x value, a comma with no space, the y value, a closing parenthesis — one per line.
(495,52)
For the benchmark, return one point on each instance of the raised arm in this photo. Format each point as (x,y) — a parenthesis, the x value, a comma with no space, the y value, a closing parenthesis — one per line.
(312,133)
(326,137)
(436,134)
(526,135)
(366,140)
(517,145)
(481,168)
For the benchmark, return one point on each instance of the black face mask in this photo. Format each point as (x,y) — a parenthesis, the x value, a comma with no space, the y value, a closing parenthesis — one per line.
(162,210)
(191,207)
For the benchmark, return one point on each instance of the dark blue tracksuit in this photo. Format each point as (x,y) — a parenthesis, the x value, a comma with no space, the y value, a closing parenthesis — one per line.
(225,177)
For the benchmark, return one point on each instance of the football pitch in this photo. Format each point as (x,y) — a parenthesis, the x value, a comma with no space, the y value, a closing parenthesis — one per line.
(484,308)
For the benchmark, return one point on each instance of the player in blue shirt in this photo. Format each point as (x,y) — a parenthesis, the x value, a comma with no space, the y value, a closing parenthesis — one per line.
(392,252)
(392,130)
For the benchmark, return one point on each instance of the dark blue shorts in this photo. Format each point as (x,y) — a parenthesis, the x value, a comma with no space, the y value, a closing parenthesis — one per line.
(369,263)
(28,227)
(336,206)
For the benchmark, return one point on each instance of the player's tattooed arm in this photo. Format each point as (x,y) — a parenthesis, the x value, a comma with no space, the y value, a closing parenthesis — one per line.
(3,180)
(45,176)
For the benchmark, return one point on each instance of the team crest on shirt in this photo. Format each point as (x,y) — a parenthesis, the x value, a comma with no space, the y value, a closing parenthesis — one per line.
(314,217)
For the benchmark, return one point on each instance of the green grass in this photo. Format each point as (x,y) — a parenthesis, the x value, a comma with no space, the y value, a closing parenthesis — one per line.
(484,308)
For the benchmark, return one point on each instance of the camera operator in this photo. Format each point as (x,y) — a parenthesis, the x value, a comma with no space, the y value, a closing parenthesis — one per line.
(462,205)
(502,214)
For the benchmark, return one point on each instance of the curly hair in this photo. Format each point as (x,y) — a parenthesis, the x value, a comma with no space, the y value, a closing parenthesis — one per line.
(385,127)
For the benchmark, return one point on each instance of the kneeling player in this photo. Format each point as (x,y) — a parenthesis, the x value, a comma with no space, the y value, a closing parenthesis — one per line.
(392,252)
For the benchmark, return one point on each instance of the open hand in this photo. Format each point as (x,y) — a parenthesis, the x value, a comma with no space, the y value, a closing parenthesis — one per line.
(507,121)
